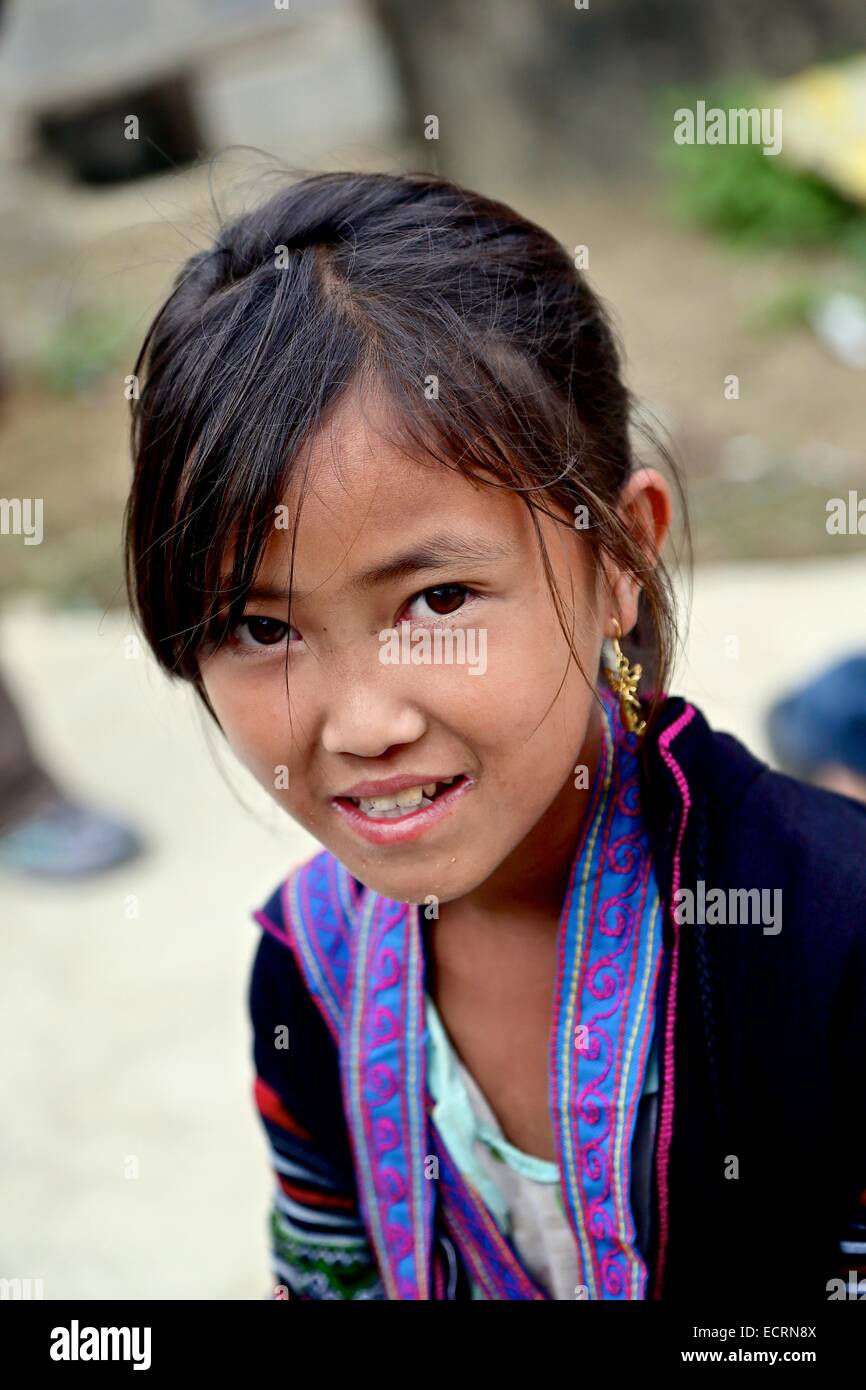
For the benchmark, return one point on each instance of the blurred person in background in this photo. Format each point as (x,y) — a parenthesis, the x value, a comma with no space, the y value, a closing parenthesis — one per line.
(818,731)
(44,829)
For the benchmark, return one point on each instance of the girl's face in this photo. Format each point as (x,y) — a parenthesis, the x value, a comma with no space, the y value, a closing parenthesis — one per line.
(424,647)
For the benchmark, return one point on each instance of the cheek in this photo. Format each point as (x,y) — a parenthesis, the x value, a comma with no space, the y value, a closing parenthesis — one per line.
(255,720)
(532,675)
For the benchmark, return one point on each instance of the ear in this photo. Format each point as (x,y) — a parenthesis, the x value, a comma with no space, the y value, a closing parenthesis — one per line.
(646,509)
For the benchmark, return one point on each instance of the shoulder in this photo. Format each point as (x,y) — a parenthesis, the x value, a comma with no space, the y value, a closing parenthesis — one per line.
(307,879)
(720,816)
(765,818)
(294,1052)
(276,977)
(773,872)
(811,839)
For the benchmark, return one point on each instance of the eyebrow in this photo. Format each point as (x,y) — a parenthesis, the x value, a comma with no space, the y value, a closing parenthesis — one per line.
(434,552)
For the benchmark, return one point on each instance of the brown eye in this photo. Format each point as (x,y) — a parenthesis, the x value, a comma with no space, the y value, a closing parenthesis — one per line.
(444,599)
(263,632)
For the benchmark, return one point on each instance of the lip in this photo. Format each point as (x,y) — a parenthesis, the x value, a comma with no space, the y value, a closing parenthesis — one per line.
(401,829)
(390,785)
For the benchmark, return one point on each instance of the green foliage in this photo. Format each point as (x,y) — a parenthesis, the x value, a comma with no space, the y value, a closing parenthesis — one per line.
(749,198)
(88,343)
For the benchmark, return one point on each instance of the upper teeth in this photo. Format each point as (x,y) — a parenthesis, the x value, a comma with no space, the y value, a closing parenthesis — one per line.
(404,800)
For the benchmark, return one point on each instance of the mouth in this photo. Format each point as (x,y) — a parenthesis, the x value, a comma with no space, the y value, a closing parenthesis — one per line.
(403,815)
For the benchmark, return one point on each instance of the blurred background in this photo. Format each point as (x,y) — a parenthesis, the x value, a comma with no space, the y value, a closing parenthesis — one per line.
(132,849)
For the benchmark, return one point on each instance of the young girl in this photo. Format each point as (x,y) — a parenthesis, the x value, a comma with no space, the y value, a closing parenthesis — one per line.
(571,1003)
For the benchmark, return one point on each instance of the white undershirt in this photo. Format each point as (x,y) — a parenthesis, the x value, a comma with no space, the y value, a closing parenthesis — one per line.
(523,1193)
(540,1231)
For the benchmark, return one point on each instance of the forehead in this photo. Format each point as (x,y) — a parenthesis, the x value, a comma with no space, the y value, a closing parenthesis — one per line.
(357,460)
(363,495)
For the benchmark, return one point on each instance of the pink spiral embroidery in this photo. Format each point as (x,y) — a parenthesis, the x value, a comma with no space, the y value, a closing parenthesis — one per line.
(599,1221)
(390,1187)
(381,1082)
(385,1026)
(604,981)
(612,1275)
(386,969)
(399,1241)
(385,1134)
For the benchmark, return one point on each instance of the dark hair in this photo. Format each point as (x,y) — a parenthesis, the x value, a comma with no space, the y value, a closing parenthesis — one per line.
(373,280)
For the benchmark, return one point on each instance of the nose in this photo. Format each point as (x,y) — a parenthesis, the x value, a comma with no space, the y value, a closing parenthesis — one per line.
(367,717)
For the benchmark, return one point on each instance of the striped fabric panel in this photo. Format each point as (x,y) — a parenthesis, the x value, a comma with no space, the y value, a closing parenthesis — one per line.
(319,1246)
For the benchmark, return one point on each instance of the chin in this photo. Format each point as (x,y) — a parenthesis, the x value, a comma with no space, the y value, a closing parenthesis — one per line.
(414,886)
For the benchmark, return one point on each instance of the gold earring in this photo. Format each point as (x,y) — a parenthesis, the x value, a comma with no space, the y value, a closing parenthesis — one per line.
(623,682)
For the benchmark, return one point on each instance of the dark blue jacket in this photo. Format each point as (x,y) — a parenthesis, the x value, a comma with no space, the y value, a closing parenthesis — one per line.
(770,1028)
(760,1140)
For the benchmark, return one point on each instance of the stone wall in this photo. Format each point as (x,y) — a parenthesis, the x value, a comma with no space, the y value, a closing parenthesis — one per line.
(546,89)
